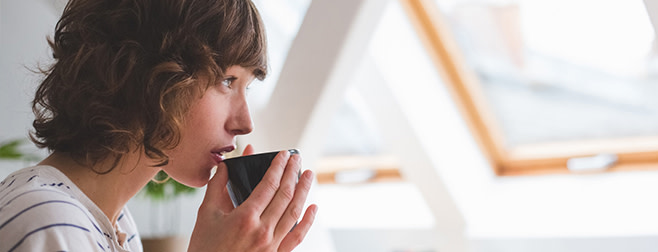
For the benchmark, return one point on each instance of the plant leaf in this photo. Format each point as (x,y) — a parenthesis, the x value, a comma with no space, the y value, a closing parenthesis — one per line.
(9,150)
(167,190)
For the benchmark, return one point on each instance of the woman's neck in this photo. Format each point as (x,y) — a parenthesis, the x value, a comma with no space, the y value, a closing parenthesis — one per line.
(110,191)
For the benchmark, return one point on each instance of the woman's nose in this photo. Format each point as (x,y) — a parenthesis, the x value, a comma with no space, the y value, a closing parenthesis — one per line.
(239,122)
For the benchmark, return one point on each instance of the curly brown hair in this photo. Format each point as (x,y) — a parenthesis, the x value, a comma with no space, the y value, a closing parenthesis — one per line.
(126,72)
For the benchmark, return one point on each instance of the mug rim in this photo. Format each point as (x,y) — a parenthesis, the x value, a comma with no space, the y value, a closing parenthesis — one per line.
(292,152)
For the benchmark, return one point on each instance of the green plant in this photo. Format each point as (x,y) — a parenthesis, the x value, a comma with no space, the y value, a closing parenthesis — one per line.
(169,189)
(11,150)
(164,200)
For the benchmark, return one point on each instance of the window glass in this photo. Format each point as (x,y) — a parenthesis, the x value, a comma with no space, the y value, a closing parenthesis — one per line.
(282,21)
(561,69)
(408,73)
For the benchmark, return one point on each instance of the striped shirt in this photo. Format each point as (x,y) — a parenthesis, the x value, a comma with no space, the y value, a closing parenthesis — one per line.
(42,210)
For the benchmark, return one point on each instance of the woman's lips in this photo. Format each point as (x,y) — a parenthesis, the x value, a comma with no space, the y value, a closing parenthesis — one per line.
(217,157)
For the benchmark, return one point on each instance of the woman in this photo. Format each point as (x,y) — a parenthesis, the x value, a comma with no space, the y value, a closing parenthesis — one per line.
(140,86)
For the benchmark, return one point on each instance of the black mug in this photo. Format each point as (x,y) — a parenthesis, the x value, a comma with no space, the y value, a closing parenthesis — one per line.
(245,172)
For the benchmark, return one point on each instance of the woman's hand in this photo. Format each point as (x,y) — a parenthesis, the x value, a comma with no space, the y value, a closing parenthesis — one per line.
(264,220)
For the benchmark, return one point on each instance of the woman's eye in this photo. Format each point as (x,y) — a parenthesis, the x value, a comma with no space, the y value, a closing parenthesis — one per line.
(228,81)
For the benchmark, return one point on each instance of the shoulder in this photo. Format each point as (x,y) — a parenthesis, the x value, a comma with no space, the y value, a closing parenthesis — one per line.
(33,185)
(37,211)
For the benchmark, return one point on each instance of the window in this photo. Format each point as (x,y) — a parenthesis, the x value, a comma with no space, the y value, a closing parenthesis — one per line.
(544,84)
(282,20)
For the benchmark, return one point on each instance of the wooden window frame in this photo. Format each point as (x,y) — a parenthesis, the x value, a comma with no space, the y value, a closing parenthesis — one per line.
(383,168)
(463,85)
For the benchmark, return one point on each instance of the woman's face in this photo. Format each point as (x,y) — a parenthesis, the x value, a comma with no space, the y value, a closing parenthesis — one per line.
(210,128)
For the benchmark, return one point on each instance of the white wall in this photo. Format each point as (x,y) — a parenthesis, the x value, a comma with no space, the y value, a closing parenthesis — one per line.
(24,26)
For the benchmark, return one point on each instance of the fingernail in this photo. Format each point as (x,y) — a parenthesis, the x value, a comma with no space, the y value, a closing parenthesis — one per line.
(308,174)
(297,159)
(314,211)
(213,170)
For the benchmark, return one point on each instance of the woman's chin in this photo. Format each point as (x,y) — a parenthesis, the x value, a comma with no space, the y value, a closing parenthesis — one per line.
(200,181)
(196,181)
(193,177)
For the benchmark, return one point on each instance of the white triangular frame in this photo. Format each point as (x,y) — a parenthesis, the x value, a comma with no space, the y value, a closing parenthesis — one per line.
(331,43)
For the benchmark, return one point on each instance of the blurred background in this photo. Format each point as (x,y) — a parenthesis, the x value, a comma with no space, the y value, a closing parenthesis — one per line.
(432,125)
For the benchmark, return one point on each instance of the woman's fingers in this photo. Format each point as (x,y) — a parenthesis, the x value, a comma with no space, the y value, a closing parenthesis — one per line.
(264,221)
(296,236)
(216,195)
(216,192)
(295,207)
(284,195)
(248,150)
(262,195)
